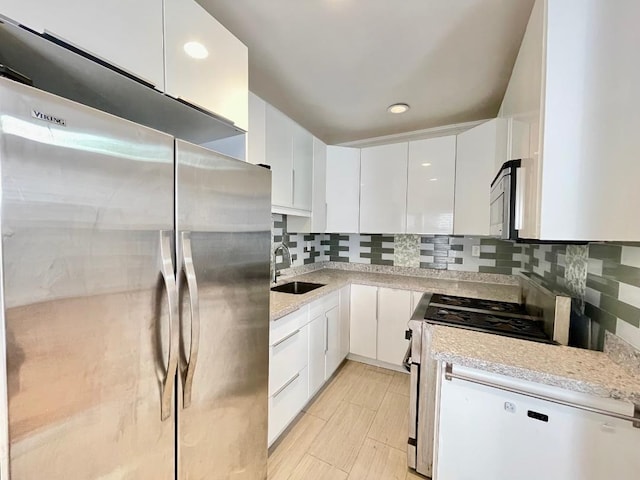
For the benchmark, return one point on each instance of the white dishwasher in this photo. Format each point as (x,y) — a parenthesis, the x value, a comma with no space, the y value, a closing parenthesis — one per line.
(485,430)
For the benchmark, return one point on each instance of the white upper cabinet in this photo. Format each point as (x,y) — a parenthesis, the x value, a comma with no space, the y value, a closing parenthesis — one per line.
(302,168)
(343,189)
(289,151)
(279,155)
(123,33)
(317,222)
(218,82)
(319,198)
(383,189)
(256,136)
(431,177)
(480,149)
(576,85)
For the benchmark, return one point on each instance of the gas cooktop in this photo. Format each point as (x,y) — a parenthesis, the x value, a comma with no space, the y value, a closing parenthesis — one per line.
(478,304)
(487,322)
(489,316)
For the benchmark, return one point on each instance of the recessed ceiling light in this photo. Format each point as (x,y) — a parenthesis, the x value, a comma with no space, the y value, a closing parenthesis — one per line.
(433,179)
(196,50)
(426,164)
(398,108)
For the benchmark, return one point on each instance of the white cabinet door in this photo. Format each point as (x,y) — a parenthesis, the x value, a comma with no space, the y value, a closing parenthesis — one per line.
(302,168)
(219,81)
(363,331)
(287,402)
(343,189)
(522,102)
(317,351)
(415,299)
(333,357)
(317,222)
(123,33)
(394,311)
(345,320)
(319,199)
(383,189)
(256,136)
(431,179)
(279,155)
(477,151)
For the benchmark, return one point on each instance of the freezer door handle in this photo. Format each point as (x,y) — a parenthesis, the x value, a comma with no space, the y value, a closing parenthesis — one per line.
(194,307)
(168,276)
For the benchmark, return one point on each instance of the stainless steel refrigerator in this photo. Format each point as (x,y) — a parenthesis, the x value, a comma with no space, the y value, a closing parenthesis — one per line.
(135,300)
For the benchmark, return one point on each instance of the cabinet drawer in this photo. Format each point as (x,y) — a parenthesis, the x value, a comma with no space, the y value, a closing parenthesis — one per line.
(287,402)
(282,327)
(288,355)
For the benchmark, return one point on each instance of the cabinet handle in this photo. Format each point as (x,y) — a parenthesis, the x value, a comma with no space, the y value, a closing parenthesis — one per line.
(326,217)
(326,333)
(293,187)
(282,388)
(282,340)
(377,318)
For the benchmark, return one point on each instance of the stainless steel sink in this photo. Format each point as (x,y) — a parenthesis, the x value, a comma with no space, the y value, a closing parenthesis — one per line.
(297,288)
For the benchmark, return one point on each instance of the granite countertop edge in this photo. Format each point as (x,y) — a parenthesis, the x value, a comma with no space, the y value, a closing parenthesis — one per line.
(283,304)
(585,371)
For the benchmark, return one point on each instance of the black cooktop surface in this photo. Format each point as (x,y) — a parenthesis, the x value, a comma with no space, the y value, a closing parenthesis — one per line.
(478,304)
(525,329)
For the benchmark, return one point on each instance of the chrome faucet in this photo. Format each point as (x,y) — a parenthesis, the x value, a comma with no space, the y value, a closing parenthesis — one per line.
(282,246)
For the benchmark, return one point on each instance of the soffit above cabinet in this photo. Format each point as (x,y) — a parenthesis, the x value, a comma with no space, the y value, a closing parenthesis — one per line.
(335,66)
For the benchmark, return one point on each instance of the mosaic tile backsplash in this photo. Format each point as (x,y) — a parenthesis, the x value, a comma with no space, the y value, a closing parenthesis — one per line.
(603,278)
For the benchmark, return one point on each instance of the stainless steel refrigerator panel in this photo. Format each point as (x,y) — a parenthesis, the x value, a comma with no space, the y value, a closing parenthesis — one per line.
(87,221)
(224,240)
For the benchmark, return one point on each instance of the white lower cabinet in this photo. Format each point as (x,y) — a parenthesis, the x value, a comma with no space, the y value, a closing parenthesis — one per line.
(364,313)
(317,351)
(379,319)
(288,372)
(306,347)
(345,316)
(332,345)
(415,299)
(287,402)
(394,311)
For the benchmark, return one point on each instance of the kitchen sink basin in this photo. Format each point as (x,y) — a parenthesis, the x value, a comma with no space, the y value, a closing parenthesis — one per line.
(297,288)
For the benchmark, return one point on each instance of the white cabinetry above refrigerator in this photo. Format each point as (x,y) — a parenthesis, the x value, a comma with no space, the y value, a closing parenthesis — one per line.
(173,45)
(123,33)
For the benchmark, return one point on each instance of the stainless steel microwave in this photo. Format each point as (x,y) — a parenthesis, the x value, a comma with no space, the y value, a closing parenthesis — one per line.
(503,202)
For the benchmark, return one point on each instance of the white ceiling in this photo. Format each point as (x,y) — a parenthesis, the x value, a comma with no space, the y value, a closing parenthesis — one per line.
(335,65)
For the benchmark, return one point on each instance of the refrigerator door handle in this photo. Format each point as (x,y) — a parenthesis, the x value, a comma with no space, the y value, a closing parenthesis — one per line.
(194,306)
(166,269)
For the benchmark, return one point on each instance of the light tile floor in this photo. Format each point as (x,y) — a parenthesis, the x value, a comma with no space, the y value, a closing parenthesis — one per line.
(355,429)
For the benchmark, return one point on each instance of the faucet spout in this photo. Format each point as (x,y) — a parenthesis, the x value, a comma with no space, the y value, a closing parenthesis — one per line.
(281,246)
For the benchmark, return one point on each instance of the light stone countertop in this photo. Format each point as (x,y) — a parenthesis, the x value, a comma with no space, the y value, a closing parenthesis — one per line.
(580,370)
(575,369)
(285,303)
